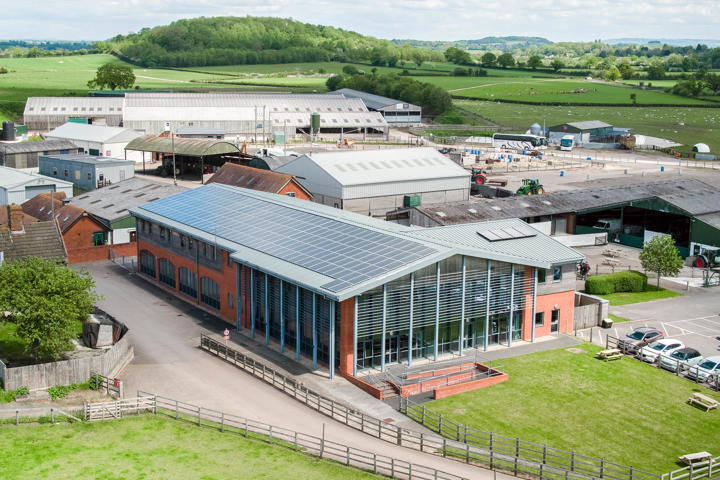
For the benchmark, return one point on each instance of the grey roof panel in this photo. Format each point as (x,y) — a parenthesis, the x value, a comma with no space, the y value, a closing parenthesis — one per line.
(93,133)
(88,159)
(373,102)
(40,146)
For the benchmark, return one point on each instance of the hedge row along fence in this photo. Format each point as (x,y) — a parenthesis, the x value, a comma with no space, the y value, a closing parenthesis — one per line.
(627,281)
(585,104)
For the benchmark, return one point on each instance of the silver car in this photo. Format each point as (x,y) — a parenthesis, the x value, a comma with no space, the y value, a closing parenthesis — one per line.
(707,370)
(665,346)
(681,359)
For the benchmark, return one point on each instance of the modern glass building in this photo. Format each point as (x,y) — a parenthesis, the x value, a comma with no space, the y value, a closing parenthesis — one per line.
(349,291)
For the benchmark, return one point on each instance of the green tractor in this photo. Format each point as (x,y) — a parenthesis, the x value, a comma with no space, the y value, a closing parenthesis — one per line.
(530,186)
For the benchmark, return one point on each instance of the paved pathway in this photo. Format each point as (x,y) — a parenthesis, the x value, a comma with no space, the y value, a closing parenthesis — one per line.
(165,332)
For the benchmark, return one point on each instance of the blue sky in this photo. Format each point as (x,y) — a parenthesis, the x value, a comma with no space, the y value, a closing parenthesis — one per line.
(557,20)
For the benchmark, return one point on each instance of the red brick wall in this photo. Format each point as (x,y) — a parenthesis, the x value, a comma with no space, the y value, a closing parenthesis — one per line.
(347,319)
(292,186)
(443,392)
(226,279)
(78,240)
(102,252)
(546,303)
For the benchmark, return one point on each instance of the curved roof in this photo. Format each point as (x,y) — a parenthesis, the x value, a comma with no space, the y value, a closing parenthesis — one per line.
(191,147)
(701,148)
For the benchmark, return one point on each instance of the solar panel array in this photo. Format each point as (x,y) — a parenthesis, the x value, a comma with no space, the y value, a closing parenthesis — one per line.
(348,253)
(507,233)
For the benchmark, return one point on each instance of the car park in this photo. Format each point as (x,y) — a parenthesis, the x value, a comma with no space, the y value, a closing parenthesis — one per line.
(664,346)
(638,338)
(680,359)
(707,370)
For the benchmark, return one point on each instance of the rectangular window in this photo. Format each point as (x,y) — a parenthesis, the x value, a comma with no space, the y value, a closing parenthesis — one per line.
(182,241)
(190,243)
(77,174)
(541,274)
(98,238)
(66,172)
(539,319)
(162,232)
(210,293)
(133,236)
(557,273)
(55,172)
(230,300)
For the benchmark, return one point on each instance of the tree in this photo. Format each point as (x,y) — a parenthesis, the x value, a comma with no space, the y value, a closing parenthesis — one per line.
(557,64)
(712,82)
(488,59)
(455,55)
(656,70)
(633,97)
(612,74)
(47,301)
(350,70)
(626,70)
(660,255)
(113,75)
(534,61)
(506,60)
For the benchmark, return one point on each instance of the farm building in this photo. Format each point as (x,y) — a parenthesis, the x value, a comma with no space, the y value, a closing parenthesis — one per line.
(20,239)
(85,237)
(395,112)
(373,182)
(25,154)
(349,291)
(687,209)
(110,204)
(87,171)
(97,140)
(262,180)
(17,186)
(192,155)
(261,116)
(584,132)
(199,132)
(42,114)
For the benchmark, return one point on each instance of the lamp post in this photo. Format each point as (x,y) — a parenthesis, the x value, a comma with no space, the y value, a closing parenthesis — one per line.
(172,141)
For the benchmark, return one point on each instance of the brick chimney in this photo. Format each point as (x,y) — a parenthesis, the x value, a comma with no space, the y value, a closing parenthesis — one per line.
(15,218)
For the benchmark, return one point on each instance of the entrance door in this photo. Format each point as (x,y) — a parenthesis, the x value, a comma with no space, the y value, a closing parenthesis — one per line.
(392,345)
(555,321)
(469,334)
(494,336)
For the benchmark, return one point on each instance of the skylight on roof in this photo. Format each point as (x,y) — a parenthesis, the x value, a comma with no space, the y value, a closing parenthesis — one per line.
(472,210)
(495,207)
(500,234)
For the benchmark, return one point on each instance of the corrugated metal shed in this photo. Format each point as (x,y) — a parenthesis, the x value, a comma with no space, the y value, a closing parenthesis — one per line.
(695,202)
(88,159)
(712,219)
(372,101)
(92,133)
(371,173)
(33,147)
(190,213)
(562,202)
(192,147)
(11,178)
(80,106)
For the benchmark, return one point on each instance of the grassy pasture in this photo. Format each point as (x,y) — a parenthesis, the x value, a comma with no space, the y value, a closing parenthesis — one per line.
(699,124)
(625,411)
(151,447)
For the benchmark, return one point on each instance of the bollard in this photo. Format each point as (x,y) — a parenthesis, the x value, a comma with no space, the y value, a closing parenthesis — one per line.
(562,173)
(662,168)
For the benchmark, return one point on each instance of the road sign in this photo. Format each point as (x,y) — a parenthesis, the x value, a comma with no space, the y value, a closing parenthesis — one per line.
(226,334)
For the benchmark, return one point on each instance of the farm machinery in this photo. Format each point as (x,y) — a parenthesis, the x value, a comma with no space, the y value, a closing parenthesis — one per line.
(709,257)
(530,186)
(480,177)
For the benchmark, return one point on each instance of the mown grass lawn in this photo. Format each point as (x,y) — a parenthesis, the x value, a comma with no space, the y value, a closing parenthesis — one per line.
(618,318)
(624,411)
(626,298)
(151,447)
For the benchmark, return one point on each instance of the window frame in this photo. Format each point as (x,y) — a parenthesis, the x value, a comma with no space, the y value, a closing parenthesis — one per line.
(542,319)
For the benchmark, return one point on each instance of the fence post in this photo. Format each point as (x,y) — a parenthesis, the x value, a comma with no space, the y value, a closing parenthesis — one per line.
(491,441)
(422,441)
(246,431)
(457,433)
(154,404)
(199,409)
(17,417)
(52,415)
(423,415)
(270,434)
(572,461)
(296,443)
(399,436)
(176,410)
(467,453)
(322,441)
(466,428)
(544,453)
(375,463)
(440,424)
(444,447)
(392,468)
(631,472)
(602,467)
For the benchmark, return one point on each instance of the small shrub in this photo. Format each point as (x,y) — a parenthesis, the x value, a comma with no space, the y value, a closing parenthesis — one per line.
(627,281)
(599,285)
(22,390)
(95,382)
(61,391)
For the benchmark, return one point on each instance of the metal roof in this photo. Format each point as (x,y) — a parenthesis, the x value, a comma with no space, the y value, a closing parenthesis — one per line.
(525,250)
(82,106)
(88,159)
(361,167)
(92,133)
(192,147)
(200,131)
(526,206)
(695,202)
(334,252)
(253,178)
(112,202)
(372,101)
(588,124)
(712,219)
(39,146)
(11,178)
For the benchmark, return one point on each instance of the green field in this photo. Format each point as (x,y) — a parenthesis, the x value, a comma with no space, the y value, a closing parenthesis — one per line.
(699,124)
(151,447)
(625,411)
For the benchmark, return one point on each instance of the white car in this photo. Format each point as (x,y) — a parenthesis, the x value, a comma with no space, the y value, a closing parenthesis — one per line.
(707,370)
(666,346)
(680,359)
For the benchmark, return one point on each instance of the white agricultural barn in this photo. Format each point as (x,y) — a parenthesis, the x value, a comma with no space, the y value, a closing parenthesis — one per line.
(249,115)
(17,186)
(98,140)
(45,113)
(374,182)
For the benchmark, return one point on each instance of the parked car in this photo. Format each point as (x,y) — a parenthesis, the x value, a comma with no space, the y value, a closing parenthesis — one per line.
(707,370)
(685,357)
(638,338)
(664,346)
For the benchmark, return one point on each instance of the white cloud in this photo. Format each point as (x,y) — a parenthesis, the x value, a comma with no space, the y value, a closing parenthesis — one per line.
(558,20)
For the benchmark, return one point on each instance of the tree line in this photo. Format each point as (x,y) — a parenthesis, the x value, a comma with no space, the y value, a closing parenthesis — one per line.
(255,40)
(433,99)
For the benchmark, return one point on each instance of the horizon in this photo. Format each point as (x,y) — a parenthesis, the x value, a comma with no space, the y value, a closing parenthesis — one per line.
(426,20)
